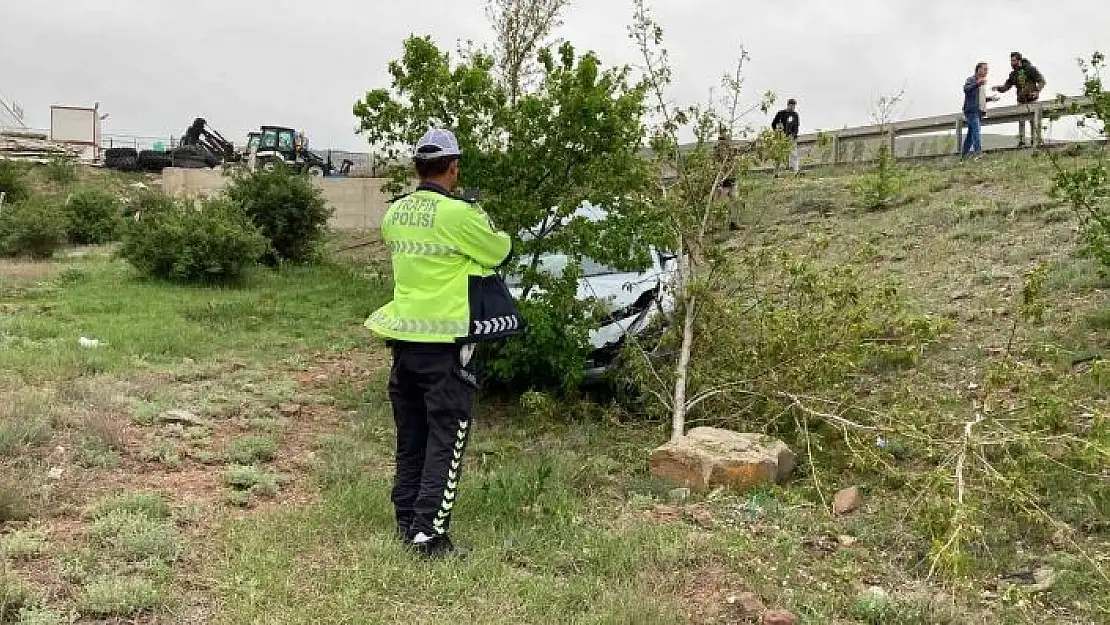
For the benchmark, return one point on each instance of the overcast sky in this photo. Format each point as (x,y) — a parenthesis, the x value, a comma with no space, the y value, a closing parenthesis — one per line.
(154,65)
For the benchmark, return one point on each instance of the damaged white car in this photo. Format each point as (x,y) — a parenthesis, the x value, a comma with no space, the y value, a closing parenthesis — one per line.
(635,301)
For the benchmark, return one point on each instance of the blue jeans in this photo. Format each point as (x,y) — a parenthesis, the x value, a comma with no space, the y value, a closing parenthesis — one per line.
(973,142)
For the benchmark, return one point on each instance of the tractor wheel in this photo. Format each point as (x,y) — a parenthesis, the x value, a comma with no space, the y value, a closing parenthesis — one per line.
(315,171)
(267,164)
(127,163)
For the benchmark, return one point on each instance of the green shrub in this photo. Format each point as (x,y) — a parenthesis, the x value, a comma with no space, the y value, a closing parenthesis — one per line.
(18,434)
(288,209)
(14,595)
(147,202)
(212,243)
(23,544)
(34,227)
(13,182)
(62,170)
(553,353)
(134,536)
(248,450)
(881,187)
(120,596)
(251,479)
(94,217)
(41,616)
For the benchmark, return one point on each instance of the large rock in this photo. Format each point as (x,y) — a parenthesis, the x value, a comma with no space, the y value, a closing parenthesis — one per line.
(707,457)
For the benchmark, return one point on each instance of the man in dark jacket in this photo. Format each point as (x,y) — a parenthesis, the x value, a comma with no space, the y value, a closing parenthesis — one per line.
(1029,82)
(787,122)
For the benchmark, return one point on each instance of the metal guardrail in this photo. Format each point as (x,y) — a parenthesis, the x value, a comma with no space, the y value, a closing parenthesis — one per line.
(832,145)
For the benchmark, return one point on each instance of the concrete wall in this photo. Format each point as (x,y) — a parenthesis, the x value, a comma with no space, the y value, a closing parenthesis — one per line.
(359,203)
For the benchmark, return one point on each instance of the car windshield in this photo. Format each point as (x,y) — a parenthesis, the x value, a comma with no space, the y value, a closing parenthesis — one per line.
(554,264)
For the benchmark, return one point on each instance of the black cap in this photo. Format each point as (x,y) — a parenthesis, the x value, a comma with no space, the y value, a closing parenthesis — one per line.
(791,101)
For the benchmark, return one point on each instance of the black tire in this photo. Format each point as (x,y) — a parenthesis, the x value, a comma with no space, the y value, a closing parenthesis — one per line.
(315,171)
(152,160)
(118,153)
(126,163)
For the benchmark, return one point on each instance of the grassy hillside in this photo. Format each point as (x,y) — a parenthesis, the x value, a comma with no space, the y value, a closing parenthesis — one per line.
(266,501)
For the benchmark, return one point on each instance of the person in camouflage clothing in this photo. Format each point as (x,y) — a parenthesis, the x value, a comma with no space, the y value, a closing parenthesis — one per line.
(1029,82)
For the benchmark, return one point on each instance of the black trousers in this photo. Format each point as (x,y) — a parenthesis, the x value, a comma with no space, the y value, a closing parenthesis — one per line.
(432,390)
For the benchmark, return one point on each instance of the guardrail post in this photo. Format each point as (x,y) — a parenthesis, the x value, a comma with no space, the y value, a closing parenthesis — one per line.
(1035,128)
(836,148)
(959,135)
(893,136)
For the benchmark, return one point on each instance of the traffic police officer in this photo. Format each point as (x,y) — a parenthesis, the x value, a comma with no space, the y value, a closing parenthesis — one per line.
(447,296)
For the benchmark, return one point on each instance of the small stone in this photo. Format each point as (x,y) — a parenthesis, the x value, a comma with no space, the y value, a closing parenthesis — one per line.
(748,604)
(702,517)
(678,495)
(181,417)
(55,473)
(846,540)
(1043,579)
(321,378)
(779,617)
(289,410)
(847,500)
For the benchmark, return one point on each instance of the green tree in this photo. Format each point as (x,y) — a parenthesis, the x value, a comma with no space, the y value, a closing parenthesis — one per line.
(575,138)
(1087,187)
(520,28)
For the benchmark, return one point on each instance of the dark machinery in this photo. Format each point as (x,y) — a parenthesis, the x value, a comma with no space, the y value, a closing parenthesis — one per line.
(286,146)
(202,146)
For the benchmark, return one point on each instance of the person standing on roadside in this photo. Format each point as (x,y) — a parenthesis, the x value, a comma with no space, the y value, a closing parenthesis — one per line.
(447,296)
(1029,83)
(975,107)
(788,122)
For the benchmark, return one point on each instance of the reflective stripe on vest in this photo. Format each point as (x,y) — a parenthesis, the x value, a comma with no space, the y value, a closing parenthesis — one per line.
(421,326)
(419,248)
